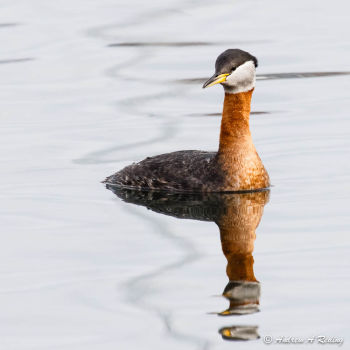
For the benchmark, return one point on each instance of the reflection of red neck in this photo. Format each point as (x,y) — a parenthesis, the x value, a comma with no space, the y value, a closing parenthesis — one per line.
(235,120)
(237,225)
(238,247)
(240,267)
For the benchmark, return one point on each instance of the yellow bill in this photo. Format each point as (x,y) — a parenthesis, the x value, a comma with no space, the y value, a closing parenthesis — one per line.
(215,79)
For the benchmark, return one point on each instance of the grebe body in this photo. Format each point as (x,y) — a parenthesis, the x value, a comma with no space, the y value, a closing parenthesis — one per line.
(236,166)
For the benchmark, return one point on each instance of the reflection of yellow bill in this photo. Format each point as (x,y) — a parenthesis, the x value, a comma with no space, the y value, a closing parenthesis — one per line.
(215,79)
(226,332)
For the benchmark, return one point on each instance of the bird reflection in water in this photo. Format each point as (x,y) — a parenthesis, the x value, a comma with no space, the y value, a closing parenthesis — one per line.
(237,215)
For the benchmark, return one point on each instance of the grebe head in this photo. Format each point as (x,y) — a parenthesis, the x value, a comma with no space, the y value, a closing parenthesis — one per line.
(235,70)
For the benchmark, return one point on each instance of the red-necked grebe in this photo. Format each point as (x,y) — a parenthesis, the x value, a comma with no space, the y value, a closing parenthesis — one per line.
(236,166)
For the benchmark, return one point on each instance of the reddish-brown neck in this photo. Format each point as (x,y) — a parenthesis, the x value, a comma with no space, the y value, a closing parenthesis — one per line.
(235,120)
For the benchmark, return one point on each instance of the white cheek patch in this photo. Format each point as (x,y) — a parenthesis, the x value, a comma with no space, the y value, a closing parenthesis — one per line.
(242,79)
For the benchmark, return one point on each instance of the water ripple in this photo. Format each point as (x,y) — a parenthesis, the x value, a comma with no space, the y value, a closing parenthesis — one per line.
(168,131)
(273,76)
(10,24)
(180,43)
(219,114)
(17,60)
(136,288)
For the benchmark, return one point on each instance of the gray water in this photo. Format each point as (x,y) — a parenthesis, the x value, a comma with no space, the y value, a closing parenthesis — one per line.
(88,87)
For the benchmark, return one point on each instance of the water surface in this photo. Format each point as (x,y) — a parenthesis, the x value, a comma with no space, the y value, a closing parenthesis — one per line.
(88,87)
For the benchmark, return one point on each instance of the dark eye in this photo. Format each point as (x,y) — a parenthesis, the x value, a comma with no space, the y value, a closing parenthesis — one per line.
(233,69)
